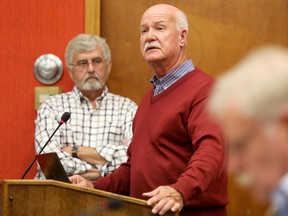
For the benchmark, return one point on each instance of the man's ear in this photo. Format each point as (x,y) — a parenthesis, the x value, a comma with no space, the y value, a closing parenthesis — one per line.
(282,135)
(284,116)
(109,67)
(183,37)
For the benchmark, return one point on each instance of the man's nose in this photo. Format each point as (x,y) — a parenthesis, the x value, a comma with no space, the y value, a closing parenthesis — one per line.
(150,36)
(90,68)
(236,163)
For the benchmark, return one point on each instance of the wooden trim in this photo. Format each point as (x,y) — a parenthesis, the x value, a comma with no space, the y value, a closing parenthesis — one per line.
(101,193)
(92,16)
(21,197)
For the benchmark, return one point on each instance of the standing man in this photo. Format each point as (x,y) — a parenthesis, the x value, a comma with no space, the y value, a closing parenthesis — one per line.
(94,141)
(177,155)
(251,103)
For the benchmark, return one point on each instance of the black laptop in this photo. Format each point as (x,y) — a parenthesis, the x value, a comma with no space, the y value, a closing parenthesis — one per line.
(51,167)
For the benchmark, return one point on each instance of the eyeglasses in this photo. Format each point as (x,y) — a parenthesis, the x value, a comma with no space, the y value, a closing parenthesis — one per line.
(84,64)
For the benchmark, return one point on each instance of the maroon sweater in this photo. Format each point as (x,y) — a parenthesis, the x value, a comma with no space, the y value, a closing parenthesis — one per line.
(175,143)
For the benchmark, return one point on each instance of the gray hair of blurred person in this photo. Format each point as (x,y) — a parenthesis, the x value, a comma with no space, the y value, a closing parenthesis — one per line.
(257,87)
(85,43)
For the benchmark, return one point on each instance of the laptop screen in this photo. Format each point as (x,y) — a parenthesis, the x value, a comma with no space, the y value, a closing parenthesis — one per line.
(51,167)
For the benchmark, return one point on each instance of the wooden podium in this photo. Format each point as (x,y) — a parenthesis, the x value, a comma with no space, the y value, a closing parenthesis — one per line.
(45,198)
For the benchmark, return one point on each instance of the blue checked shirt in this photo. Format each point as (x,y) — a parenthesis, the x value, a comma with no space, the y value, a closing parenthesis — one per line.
(165,82)
(280,197)
(108,129)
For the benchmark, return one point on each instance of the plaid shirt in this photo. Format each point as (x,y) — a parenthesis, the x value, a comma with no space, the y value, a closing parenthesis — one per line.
(165,82)
(108,129)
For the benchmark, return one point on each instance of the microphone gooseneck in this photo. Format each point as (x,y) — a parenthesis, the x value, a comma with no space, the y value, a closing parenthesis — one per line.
(64,118)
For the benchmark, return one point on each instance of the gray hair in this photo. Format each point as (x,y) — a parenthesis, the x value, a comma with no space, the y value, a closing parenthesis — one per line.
(181,21)
(85,43)
(257,87)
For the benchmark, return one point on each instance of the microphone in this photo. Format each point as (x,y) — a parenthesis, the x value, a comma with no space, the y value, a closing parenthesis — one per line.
(64,118)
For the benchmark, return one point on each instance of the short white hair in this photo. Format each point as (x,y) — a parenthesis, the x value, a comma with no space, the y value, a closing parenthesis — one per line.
(181,21)
(257,86)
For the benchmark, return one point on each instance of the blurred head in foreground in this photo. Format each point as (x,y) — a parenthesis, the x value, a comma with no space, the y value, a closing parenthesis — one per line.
(250,102)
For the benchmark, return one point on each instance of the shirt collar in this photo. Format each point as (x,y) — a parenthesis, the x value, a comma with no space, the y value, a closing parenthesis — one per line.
(280,194)
(165,82)
(175,74)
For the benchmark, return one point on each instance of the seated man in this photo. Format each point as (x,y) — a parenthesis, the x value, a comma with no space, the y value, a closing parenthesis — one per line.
(94,141)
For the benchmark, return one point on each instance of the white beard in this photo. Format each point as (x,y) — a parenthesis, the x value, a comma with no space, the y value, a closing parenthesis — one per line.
(91,85)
